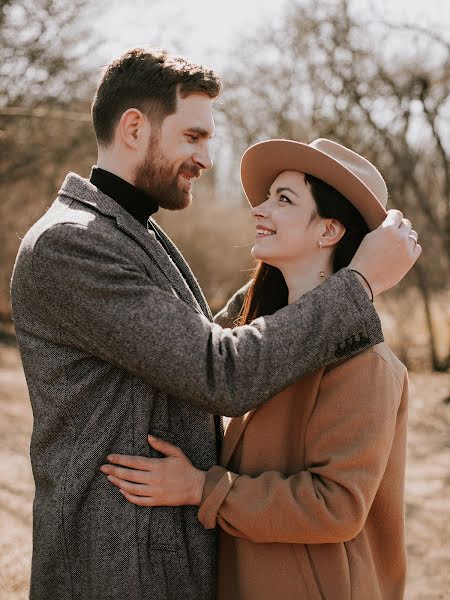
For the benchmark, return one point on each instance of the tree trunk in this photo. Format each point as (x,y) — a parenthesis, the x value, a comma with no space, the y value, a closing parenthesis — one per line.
(437,364)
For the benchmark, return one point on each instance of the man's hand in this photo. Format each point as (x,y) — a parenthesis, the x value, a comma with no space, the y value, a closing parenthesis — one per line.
(387,253)
(170,481)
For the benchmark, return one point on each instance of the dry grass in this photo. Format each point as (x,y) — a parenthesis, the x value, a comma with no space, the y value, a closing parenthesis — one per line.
(427,489)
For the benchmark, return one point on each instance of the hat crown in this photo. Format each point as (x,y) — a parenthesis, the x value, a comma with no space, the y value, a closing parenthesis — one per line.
(351,175)
(356,164)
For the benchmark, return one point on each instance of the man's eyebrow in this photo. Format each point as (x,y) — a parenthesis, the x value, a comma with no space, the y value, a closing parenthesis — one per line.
(201,132)
(285,189)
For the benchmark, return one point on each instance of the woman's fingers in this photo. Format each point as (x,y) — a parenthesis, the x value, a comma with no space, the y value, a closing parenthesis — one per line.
(169,481)
(133,462)
(165,447)
(127,474)
(139,500)
(137,489)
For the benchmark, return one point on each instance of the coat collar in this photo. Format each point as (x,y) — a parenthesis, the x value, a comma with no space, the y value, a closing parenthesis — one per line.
(84,191)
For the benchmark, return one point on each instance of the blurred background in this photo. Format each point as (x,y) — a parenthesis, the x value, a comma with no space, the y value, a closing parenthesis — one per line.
(372,75)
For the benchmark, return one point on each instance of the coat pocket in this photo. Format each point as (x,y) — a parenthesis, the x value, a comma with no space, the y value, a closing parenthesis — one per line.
(307,572)
(165,528)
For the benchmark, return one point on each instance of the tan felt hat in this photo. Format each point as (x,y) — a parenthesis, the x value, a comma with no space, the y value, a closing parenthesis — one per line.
(349,173)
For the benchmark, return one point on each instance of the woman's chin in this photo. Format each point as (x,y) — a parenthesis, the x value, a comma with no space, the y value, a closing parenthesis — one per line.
(257,252)
(262,256)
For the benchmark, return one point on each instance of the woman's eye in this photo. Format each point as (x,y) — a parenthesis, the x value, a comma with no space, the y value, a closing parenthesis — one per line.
(285,199)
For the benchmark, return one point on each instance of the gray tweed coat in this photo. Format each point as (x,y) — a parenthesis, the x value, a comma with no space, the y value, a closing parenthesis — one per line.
(117,341)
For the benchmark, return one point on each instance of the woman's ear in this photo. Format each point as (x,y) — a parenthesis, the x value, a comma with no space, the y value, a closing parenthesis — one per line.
(333,233)
(132,129)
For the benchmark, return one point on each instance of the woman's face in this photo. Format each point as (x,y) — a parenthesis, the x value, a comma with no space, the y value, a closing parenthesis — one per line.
(285,233)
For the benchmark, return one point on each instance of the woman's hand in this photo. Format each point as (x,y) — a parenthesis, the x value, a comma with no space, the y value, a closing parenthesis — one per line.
(170,481)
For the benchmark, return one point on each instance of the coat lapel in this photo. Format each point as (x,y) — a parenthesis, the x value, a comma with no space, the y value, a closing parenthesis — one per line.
(185,270)
(233,433)
(84,191)
(236,426)
(147,240)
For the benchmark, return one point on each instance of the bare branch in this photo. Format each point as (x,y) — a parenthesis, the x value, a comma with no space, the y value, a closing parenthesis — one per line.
(44,113)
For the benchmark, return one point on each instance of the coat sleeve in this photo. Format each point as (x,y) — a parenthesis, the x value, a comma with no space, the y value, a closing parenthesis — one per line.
(348,442)
(107,305)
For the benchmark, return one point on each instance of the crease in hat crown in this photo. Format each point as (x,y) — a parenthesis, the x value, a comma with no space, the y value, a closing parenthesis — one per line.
(352,175)
(357,164)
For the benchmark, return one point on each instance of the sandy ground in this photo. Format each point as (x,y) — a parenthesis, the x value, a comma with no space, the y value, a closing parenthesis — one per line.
(427,488)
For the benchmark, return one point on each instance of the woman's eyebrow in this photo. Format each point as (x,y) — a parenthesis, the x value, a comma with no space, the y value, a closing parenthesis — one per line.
(286,189)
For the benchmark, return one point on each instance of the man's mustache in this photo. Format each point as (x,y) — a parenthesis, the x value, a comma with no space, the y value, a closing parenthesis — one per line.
(190,170)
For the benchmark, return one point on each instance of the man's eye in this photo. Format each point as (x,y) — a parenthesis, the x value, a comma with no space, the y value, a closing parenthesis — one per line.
(193,138)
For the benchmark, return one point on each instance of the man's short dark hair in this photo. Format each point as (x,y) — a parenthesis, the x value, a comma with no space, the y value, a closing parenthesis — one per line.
(149,80)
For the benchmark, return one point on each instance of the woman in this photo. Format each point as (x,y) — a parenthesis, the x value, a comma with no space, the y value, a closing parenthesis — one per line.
(309,494)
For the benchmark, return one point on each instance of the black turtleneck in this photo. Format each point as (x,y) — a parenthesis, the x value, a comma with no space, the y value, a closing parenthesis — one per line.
(136,202)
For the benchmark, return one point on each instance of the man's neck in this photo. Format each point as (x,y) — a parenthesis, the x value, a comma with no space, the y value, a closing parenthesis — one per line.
(110,163)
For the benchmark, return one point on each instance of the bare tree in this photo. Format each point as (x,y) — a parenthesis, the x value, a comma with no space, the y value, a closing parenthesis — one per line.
(42,43)
(44,117)
(321,72)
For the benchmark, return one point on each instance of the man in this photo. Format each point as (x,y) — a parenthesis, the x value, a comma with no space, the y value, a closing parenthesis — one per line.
(117,340)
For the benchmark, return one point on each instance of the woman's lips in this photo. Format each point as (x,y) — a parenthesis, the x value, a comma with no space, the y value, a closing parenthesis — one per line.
(264,232)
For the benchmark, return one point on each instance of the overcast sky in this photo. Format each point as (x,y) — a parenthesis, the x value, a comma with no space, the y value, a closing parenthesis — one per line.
(207,30)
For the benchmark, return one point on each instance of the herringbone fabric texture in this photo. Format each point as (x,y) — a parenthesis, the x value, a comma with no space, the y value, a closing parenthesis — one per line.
(115,343)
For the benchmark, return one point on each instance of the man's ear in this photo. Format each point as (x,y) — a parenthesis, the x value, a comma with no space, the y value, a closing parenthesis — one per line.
(133,129)
(333,233)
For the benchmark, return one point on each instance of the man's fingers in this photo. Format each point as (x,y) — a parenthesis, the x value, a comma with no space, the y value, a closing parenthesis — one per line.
(387,253)
(126,474)
(393,218)
(406,226)
(133,462)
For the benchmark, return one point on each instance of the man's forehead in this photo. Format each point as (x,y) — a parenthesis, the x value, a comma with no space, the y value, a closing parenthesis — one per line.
(195,111)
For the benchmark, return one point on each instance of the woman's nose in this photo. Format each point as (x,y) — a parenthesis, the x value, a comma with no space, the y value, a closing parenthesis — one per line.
(259,211)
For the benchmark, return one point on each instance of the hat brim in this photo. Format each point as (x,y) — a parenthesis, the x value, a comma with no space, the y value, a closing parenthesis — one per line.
(262,163)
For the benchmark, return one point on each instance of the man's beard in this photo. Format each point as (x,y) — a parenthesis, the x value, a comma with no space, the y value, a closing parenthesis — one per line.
(154,176)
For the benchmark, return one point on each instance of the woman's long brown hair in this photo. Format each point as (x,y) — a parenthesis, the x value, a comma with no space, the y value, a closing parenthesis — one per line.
(268,291)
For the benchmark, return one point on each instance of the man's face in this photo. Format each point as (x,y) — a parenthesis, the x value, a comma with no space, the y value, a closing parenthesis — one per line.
(178,153)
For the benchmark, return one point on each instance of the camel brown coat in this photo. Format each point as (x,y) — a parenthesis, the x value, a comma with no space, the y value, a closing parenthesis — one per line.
(317,510)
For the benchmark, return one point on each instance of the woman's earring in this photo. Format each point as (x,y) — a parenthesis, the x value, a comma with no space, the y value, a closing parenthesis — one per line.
(322,274)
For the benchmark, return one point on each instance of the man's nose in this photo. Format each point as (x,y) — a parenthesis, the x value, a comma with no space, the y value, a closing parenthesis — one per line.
(203,159)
